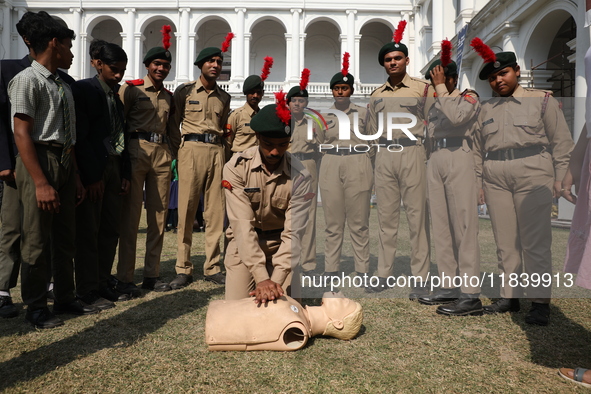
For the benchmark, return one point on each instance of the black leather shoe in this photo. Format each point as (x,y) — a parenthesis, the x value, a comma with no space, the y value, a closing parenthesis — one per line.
(419,291)
(441,297)
(43,318)
(503,305)
(539,314)
(128,288)
(181,280)
(7,308)
(382,285)
(113,295)
(218,279)
(75,307)
(94,299)
(465,305)
(155,284)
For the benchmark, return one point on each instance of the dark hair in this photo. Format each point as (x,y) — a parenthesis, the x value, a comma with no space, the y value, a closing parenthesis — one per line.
(95,47)
(39,28)
(111,53)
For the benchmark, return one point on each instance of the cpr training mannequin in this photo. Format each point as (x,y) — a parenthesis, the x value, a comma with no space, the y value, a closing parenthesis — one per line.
(282,324)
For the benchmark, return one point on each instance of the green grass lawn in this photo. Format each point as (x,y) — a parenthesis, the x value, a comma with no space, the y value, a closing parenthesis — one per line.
(156,343)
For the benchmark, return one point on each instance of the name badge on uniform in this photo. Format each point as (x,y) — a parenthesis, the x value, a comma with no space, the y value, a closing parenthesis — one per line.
(433,119)
(378,101)
(252,189)
(246,124)
(491,120)
(193,101)
(329,122)
(144,98)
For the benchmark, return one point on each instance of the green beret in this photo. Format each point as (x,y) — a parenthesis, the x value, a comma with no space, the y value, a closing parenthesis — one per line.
(338,78)
(267,123)
(451,69)
(252,82)
(296,92)
(206,53)
(391,47)
(504,59)
(157,53)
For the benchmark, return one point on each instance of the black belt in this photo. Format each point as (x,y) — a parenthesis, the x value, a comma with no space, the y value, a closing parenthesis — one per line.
(399,141)
(268,232)
(450,142)
(207,138)
(511,154)
(342,152)
(304,156)
(147,136)
(50,144)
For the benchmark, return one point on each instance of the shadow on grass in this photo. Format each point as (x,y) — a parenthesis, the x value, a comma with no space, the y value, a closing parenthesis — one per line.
(122,330)
(563,343)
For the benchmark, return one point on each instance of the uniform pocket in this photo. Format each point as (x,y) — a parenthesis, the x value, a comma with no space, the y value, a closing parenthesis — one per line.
(279,202)
(530,124)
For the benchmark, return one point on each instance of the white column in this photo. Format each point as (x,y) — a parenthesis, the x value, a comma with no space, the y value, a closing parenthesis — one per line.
(139,70)
(302,54)
(192,55)
(294,65)
(437,32)
(238,57)
(83,60)
(247,38)
(75,70)
(6,32)
(22,49)
(183,48)
(288,58)
(351,32)
(355,62)
(129,43)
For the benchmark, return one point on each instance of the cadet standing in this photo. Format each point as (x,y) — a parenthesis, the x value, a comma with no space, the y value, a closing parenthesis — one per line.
(152,145)
(401,175)
(241,135)
(523,148)
(346,178)
(452,188)
(267,191)
(203,108)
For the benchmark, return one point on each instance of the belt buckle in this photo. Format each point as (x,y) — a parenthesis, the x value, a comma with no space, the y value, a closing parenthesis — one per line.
(511,154)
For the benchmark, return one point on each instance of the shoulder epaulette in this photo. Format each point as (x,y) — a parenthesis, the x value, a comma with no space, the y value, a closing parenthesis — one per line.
(465,92)
(169,92)
(420,80)
(135,82)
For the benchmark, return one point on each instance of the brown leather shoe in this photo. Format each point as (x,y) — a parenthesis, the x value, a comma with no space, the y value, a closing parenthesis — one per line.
(181,280)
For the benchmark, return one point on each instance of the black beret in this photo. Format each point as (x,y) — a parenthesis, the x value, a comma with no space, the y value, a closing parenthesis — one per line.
(339,78)
(252,82)
(451,69)
(206,53)
(157,53)
(504,59)
(391,47)
(267,123)
(296,92)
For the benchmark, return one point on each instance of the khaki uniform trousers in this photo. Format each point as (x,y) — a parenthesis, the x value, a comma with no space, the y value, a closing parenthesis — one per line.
(239,280)
(345,187)
(97,232)
(519,200)
(39,228)
(452,191)
(10,237)
(308,244)
(402,175)
(200,168)
(150,166)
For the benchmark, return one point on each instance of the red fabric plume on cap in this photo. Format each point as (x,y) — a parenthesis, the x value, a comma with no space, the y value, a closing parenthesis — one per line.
(345,69)
(483,50)
(305,79)
(166,29)
(282,110)
(266,67)
(226,43)
(445,53)
(397,36)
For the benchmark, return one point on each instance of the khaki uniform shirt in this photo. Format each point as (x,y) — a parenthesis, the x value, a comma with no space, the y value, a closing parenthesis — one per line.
(299,136)
(242,136)
(357,117)
(256,198)
(199,111)
(149,110)
(517,122)
(411,95)
(453,114)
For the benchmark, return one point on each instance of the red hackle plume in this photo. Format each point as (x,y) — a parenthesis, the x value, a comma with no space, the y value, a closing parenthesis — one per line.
(305,79)
(445,53)
(399,32)
(345,69)
(266,67)
(282,110)
(483,50)
(166,29)
(226,43)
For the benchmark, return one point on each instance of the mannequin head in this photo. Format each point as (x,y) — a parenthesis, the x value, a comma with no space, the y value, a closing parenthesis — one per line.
(345,316)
